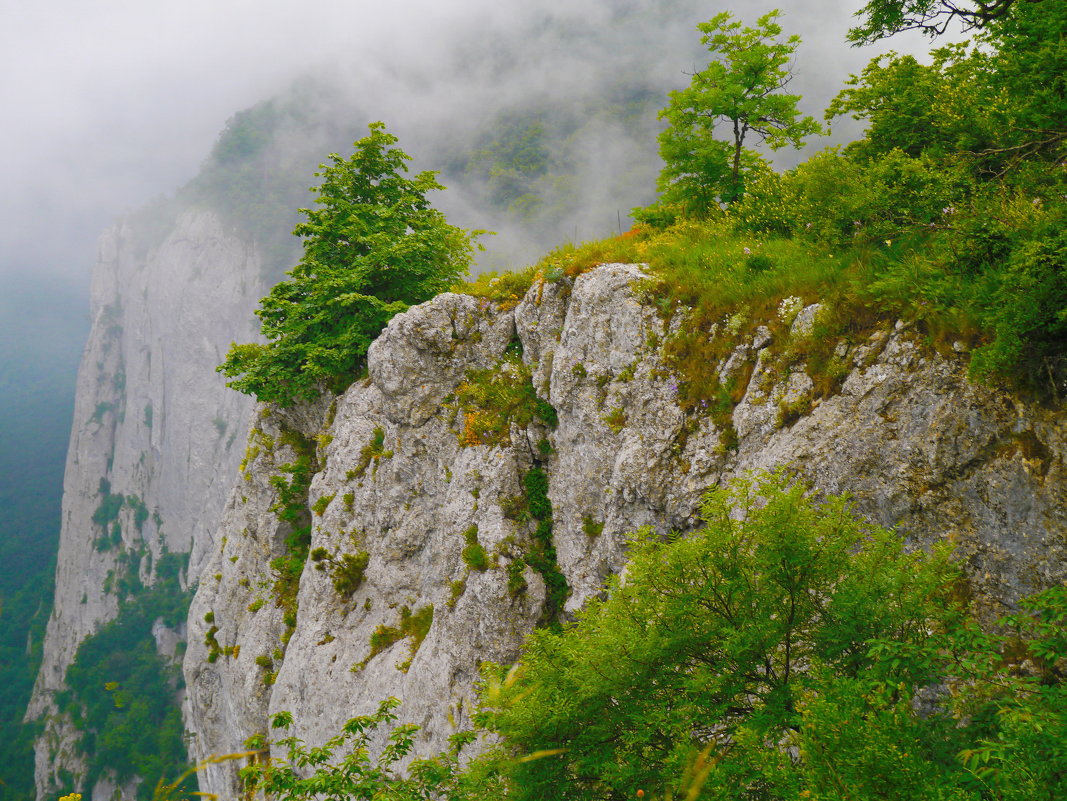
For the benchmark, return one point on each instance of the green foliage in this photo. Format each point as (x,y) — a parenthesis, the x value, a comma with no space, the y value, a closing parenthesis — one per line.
(591,527)
(370,454)
(503,288)
(373,247)
(788,589)
(42,334)
(512,161)
(494,399)
(474,555)
(319,507)
(291,508)
(122,694)
(342,770)
(516,580)
(346,571)
(615,420)
(785,650)
(414,625)
(884,18)
(542,553)
(741,86)
(110,505)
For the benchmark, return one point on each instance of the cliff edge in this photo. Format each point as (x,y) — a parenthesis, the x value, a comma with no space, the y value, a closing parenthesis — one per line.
(482,479)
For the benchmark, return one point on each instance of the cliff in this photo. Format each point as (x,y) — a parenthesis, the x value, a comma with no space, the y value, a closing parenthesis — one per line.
(424,487)
(156,441)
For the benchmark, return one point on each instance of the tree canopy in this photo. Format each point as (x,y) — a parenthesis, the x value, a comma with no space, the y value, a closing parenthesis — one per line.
(741,87)
(883,18)
(373,246)
(786,650)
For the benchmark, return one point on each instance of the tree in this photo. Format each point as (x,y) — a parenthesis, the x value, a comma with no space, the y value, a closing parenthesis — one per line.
(742,87)
(786,650)
(883,18)
(341,769)
(373,247)
(710,645)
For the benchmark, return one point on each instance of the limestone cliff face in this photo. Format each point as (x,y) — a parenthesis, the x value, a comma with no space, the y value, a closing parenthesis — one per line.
(154,424)
(397,483)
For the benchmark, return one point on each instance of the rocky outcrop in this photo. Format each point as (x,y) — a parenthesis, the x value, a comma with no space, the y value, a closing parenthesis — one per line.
(440,526)
(155,442)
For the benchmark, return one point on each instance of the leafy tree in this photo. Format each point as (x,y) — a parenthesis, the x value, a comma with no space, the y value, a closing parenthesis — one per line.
(341,769)
(373,247)
(883,18)
(710,646)
(778,653)
(985,126)
(741,87)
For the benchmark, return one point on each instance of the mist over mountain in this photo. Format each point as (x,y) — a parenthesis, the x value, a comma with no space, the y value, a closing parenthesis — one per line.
(42,329)
(541,119)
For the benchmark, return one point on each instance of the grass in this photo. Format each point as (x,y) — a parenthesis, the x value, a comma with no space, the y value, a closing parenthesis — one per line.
(493,399)
(728,284)
(413,624)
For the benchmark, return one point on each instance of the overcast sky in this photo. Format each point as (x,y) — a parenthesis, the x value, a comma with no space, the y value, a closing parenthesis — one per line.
(108,103)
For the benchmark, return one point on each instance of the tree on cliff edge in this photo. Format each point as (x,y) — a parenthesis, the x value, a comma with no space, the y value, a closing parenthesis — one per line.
(373,247)
(742,88)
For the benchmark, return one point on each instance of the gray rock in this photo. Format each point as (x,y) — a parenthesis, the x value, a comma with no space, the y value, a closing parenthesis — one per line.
(155,420)
(917,445)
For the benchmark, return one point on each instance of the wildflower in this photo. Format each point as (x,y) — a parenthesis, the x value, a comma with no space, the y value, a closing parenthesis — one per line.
(948,210)
(747,252)
(789,308)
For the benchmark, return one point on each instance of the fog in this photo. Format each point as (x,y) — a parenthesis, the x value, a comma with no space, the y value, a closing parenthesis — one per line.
(112,102)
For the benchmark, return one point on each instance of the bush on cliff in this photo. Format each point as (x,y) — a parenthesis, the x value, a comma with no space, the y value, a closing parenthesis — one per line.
(373,247)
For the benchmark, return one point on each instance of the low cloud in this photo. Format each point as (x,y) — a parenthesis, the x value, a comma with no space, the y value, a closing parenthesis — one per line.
(112,102)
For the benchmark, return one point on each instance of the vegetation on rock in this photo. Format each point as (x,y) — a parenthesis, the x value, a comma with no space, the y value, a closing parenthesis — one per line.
(740,87)
(123,695)
(786,649)
(372,247)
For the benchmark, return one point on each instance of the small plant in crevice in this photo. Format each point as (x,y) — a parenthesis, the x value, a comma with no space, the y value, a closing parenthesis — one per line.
(413,624)
(791,411)
(542,554)
(291,508)
(494,399)
(370,454)
(346,570)
(474,554)
(320,506)
(516,580)
(615,420)
(456,589)
(591,527)
(214,650)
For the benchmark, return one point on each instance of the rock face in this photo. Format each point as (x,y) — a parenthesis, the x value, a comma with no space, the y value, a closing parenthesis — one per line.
(439,524)
(154,424)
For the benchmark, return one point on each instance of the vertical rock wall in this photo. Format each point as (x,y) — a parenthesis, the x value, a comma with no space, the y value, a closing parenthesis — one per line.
(155,424)
(400,483)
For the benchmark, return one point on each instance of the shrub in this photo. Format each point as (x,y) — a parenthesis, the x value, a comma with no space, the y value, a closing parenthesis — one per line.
(373,246)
